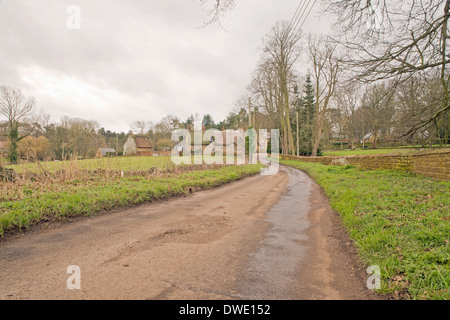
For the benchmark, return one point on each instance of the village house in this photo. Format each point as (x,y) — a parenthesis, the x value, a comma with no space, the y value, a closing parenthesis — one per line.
(137,146)
(368,138)
(105,152)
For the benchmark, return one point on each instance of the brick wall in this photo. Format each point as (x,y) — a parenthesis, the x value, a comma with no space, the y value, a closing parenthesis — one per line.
(432,164)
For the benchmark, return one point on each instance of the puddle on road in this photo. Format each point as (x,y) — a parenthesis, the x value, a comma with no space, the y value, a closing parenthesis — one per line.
(272,267)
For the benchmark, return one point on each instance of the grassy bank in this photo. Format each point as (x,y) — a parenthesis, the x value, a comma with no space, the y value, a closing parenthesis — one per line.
(399,222)
(397,150)
(361,152)
(27,202)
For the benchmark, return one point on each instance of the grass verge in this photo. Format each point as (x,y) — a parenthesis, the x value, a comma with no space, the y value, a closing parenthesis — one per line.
(398,221)
(36,202)
(362,152)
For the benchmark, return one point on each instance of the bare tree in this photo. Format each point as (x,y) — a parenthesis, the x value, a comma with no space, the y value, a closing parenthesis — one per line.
(265,92)
(338,119)
(217,8)
(346,101)
(378,110)
(160,133)
(15,107)
(417,100)
(79,138)
(396,39)
(326,68)
(281,53)
(139,127)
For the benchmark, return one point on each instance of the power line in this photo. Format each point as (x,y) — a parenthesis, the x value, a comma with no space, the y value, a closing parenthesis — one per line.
(309,12)
(299,14)
(303,13)
(295,14)
(306,17)
(295,19)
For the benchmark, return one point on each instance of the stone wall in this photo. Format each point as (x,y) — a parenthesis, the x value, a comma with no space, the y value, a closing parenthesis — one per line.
(435,165)
(431,164)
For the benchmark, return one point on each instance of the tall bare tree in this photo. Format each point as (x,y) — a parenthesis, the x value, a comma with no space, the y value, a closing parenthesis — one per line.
(266,94)
(281,53)
(326,68)
(15,107)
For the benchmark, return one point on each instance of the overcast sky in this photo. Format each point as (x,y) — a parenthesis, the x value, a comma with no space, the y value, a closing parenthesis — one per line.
(135,59)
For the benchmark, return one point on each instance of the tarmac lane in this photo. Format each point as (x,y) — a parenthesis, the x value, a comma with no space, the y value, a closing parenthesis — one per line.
(265,237)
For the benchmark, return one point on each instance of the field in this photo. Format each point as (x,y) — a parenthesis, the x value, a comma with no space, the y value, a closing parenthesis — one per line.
(82,188)
(117,163)
(398,221)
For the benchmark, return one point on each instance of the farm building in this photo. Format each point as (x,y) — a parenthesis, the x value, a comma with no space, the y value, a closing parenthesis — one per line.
(105,152)
(137,146)
(368,138)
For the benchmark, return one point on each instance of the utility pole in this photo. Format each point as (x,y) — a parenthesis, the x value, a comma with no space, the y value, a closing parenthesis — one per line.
(298,142)
(249,112)
(117,144)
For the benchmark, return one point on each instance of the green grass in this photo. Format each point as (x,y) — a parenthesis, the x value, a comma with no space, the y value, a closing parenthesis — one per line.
(117,163)
(23,205)
(358,152)
(112,163)
(398,221)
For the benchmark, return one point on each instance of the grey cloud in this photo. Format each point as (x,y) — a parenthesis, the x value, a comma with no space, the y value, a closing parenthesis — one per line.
(132,60)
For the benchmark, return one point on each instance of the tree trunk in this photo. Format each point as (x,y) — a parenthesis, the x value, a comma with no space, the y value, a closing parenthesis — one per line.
(284,141)
(317,134)
(375,138)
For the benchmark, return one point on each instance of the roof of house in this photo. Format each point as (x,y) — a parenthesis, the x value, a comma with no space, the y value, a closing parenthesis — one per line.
(143,142)
(107,150)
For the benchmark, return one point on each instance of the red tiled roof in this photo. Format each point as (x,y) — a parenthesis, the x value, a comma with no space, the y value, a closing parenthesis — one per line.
(143,142)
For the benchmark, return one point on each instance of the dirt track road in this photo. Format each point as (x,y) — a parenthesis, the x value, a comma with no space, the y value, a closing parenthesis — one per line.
(265,237)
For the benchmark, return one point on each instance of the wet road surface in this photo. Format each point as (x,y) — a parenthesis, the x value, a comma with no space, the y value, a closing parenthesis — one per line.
(265,238)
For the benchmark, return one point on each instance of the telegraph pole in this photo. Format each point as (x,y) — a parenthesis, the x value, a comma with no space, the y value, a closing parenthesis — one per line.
(249,112)
(298,145)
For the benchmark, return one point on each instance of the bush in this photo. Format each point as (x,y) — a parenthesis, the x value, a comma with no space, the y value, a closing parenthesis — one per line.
(7,175)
